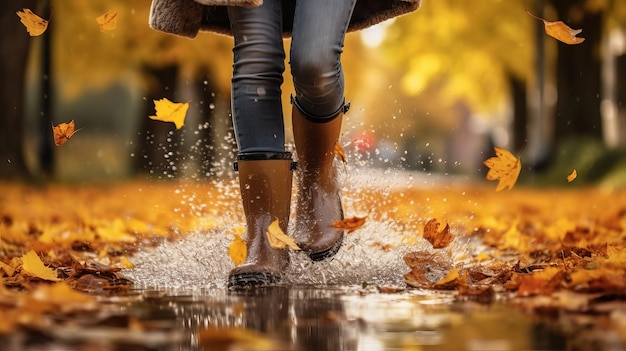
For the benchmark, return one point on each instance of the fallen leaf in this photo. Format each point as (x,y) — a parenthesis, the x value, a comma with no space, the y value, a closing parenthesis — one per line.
(339,152)
(168,111)
(62,297)
(215,338)
(449,281)
(63,132)
(504,167)
(237,250)
(34,24)
(278,239)
(32,264)
(107,21)
(560,31)
(350,224)
(439,239)
(572,176)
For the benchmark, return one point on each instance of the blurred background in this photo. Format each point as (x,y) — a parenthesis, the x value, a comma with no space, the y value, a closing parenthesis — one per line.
(432,91)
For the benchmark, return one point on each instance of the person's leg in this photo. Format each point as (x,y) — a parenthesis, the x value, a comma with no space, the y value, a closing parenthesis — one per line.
(258,67)
(318,107)
(263,165)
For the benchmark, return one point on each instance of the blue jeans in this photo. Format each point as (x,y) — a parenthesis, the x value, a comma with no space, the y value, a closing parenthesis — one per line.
(319,30)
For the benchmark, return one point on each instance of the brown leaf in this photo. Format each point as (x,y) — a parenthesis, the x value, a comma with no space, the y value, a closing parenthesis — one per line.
(438,239)
(34,24)
(350,224)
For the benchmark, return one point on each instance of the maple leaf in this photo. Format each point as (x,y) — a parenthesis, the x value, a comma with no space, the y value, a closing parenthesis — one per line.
(63,132)
(504,167)
(34,24)
(350,224)
(168,111)
(31,263)
(438,239)
(572,176)
(278,239)
(107,21)
(237,250)
(560,31)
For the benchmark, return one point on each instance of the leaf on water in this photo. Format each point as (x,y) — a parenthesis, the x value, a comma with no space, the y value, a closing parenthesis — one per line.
(560,31)
(278,239)
(168,111)
(339,152)
(215,338)
(107,21)
(449,281)
(63,132)
(504,167)
(572,176)
(64,298)
(32,264)
(439,239)
(237,250)
(350,224)
(34,24)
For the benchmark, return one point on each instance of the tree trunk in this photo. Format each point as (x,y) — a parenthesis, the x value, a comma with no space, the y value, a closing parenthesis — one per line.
(520,111)
(578,75)
(158,145)
(14,44)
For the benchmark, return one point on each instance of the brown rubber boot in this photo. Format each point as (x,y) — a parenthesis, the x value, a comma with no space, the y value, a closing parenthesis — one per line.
(318,200)
(265,183)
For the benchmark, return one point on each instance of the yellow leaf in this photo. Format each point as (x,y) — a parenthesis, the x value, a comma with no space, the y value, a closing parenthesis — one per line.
(168,111)
(107,21)
(125,262)
(560,31)
(31,263)
(63,132)
(572,176)
(449,279)
(505,167)
(278,239)
(237,250)
(34,24)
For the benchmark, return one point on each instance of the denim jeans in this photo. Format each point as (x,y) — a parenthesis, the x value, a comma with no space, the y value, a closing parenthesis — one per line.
(319,30)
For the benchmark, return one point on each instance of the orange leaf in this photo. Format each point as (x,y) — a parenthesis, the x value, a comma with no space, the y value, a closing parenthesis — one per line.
(560,31)
(168,111)
(278,239)
(504,167)
(572,176)
(63,132)
(340,153)
(34,24)
(107,21)
(31,263)
(350,224)
(237,250)
(438,239)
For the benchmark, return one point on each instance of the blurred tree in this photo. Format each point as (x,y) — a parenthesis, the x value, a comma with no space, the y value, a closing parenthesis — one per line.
(14,45)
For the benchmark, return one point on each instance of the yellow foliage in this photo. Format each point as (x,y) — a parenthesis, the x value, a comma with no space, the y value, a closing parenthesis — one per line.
(32,264)
(168,111)
(278,239)
(34,24)
(504,167)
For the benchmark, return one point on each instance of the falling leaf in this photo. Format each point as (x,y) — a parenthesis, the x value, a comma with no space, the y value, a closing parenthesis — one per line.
(34,24)
(560,31)
(31,263)
(504,167)
(340,153)
(438,239)
(63,132)
(107,21)
(237,250)
(278,239)
(350,224)
(572,176)
(168,111)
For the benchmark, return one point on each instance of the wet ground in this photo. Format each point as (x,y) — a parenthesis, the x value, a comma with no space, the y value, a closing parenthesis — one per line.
(317,318)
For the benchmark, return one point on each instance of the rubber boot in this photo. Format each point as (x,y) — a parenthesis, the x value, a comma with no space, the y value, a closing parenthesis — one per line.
(318,199)
(265,184)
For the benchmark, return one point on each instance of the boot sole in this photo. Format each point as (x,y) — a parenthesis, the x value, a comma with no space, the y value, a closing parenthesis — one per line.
(328,253)
(251,280)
